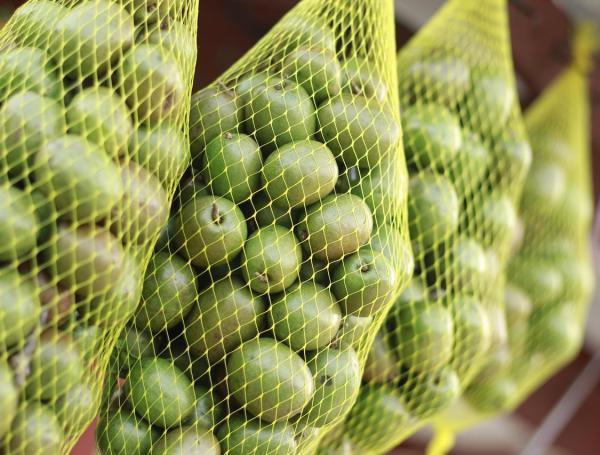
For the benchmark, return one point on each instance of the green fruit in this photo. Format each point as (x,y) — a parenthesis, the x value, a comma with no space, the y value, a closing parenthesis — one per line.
(45,215)
(538,278)
(555,332)
(122,432)
(433,210)
(160,392)
(432,136)
(306,317)
(472,332)
(19,225)
(133,345)
(168,294)
(498,331)
(33,23)
(177,40)
(208,412)
(337,447)
(227,314)
(337,226)
(79,178)
(337,380)
(433,393)
(267,213)
(27,122)
(517,305)
(381,366)
(244,85)
(492,396)
(269,380)
(214,111)
(446,78)
(149,12)
(90,341)
(231,166)
(352,331)
(577,206)
(364,282)
(464,266)
(77,408)
(161,150)
(210,230)
(359,78)
(349,179)
(577,278)
(414,292)
(153,84)
(88,259)
(239,436)
(490,100)
(306,31)
(359,131)
(496,362)
(101,117)
(191,187)
(9,398)
(389,241)
(383,189)
(85,50)
(144,209)
(271,259)
(314,270)
(467,169)
(499,220)
(299,174)
(316,69)
(35,430)
(27,68)
(187,441)
(544,188)
(424,335)
(280,111)
(516,156)
(381,404)
(19,308)
(56,367)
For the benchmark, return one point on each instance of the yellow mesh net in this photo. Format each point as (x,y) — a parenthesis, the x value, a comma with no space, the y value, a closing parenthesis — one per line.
(94,107)
(286,246)
(467,157)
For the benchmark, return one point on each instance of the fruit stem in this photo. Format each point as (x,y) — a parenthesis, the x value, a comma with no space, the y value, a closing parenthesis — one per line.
(228,135)
(364,268)
(215,214)
(262,277)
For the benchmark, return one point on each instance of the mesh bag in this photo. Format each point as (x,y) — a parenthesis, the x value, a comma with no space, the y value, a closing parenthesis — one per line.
(94,105)
(467,157)
(287,245)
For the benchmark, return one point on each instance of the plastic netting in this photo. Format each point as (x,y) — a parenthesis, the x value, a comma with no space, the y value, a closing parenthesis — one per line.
(287,245)
(94,107)
(467,157)
(550,278)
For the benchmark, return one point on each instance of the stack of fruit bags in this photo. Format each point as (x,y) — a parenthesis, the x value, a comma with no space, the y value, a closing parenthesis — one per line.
(94,103)
(286,247)
(467,157)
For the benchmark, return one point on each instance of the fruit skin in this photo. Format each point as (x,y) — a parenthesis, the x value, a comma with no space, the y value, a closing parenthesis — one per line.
(517,154)
(499,219)
(209,410)
(189,188)
(433,393)
(132,345)
(315,270)
(467,169)
(271,259)
(101,117)
(423,334)
(226,315)
(9,398)
(555,332)
(337,381)
(316,69)
(168,294)
(463,266)
(433,210)
(27,69)
(79,178)
(214,111)
(539,278)
(337,226)
(359,78)
(19,308)
(299,174)
(108,33)
(517,305)
(432,136)
(153,84)
(144,209)
(231,166)
(210,230)
(306,317)
(279,111)
(122,432)
(491,396)
(359,131)
(190,441)
(381,365)
(472,332)
(307,31)
(388,240)
(491,98)
(352,331)
(267,213)
(364,282)
(33,23)
(160,392)
(27,122)
(34,430)
(19,226)
(269,380)
(161,150)
(56,367)
(544,187)
(77,408)
(239,436)
(178,40)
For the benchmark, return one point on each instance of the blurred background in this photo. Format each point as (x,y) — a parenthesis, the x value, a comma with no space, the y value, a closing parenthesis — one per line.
(541,32)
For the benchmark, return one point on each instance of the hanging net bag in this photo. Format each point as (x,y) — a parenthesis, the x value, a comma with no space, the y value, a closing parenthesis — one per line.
(94,103)
(467,156)
(286,246)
